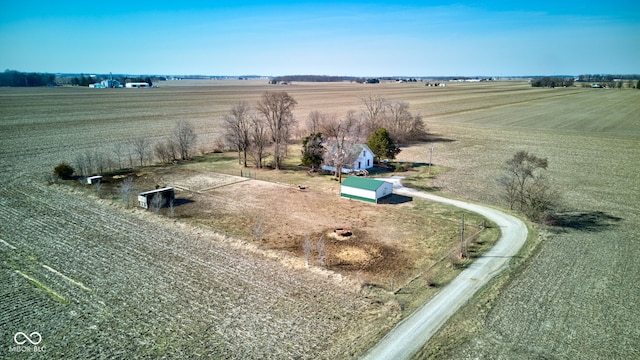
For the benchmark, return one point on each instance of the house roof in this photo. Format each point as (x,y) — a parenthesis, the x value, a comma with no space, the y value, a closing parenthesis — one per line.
(355,148)
(362,183)
(362,147)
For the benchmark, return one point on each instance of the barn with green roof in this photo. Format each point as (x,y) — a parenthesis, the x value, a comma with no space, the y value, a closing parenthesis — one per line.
(365,189)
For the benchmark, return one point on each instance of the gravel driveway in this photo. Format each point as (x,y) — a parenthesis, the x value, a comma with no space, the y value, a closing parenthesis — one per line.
(410,335)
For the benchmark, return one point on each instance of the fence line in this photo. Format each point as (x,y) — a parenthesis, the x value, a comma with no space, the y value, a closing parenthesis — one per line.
(467,241)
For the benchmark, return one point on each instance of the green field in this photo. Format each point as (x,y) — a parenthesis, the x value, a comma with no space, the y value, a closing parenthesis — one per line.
(577,296)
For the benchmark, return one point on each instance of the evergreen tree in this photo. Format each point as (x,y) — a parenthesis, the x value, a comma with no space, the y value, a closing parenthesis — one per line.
(312,150)
(382,145)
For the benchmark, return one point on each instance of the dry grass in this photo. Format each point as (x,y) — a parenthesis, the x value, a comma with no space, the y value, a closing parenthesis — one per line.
(390,242)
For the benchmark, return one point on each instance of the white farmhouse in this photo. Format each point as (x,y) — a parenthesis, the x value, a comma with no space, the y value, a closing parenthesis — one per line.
(364,160)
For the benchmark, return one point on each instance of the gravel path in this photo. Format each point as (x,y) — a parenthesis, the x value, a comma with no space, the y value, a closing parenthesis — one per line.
(410,335)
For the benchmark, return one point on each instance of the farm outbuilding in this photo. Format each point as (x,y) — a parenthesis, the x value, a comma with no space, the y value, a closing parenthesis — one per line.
(167,194)
(365,189)
(94,179)
(137,85)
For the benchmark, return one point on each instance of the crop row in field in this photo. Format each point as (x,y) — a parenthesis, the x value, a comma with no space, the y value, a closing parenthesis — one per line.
(577,297)
(149,289)
(157,289)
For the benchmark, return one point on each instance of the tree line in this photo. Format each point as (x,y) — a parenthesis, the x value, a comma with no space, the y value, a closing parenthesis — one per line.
(265,129)
(83,80)
(13,78)
(606,77)
(313,78)
(139,151)
(552,82)
(18,79)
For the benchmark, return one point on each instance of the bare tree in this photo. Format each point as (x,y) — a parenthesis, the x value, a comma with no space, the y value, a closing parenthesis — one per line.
(259,139)
(97,186)
(525,187)
(321,247)
(237,129)
(172,207)
(88,161)
(172,149)
(510,185)
(80,165)
(126,189)
(156,203)
(523,168)
(541,198)
(375,107)
(343,137)
(315,121)
(101,161)
(166,151)
(398,115)
(307,248)
(83,181)
(119,151)
(277,109)
(184,135)
(403,126)
(130,153)
(161,152)
(259,228)
(140,148)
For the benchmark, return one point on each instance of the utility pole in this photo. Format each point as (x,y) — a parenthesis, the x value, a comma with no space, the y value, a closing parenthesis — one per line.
(430,157)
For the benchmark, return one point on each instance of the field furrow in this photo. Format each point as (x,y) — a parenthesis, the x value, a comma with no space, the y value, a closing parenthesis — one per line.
(185,284)
(161,288)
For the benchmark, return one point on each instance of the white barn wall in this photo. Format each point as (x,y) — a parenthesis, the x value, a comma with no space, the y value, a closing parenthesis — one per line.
(384,190)
(359,192)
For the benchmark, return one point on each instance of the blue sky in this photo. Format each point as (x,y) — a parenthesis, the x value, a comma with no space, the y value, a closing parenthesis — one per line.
(358,38)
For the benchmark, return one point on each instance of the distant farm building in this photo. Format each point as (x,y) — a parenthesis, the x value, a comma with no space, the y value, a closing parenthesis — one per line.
(109,83)
(364,161)
(166,195)
(365,189)
(137,85)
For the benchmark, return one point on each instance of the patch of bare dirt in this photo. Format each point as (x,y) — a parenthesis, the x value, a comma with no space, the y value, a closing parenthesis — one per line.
(356,236)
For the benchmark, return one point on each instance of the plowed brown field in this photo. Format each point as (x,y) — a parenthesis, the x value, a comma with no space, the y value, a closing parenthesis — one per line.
(99,280)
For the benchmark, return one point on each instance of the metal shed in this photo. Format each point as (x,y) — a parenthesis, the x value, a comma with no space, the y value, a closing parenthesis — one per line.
(365,189)
(167,194)
(94,179)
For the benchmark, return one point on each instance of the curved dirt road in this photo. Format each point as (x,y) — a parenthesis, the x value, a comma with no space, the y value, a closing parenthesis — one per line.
(412,333)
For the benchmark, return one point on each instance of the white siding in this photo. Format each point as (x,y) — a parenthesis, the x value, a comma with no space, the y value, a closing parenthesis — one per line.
(142,200)
(358,192)
(384,190)
(363,162)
